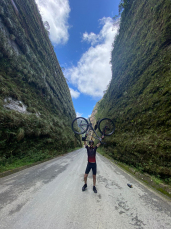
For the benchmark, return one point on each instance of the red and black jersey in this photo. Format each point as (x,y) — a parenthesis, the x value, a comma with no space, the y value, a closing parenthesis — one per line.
(91,152)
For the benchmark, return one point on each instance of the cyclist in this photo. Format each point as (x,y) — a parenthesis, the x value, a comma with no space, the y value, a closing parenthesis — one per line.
(91,152)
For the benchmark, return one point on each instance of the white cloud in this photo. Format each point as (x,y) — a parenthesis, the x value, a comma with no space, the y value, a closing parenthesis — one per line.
(56,12)
(87,117)
(93,71)
(74,94)
(91,38)
(78,114)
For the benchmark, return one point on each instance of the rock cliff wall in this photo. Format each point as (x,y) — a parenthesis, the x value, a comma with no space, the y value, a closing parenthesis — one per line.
(36,108)
(138,98)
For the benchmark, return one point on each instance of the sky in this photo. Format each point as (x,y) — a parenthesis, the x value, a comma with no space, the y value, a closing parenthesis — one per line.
(82,33)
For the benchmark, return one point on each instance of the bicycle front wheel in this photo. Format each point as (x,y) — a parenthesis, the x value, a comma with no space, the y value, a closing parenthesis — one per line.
(80,125)
(106,127)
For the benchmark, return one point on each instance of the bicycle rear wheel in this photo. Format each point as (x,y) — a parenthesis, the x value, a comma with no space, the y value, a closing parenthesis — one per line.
(80,125)
(106,127)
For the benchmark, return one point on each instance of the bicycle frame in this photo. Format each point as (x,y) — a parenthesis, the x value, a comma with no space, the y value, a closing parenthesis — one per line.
(91,127)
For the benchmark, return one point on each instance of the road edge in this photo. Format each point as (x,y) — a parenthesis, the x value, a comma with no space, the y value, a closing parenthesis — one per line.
(9,172)
(141,179)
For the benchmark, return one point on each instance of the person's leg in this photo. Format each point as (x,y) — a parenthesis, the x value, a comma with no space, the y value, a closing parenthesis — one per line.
(87,172)
(94,168)
(85,178)
(94,180)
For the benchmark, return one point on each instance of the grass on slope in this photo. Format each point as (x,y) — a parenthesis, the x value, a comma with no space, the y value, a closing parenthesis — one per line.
(138,99)
(32,157)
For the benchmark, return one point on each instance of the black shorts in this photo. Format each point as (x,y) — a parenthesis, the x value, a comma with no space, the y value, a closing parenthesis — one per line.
(90,166)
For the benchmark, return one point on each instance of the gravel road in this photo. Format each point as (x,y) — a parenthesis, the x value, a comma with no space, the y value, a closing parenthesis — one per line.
(49,196)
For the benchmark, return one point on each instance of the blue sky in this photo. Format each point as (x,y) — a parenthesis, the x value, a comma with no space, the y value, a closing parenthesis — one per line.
(82,32)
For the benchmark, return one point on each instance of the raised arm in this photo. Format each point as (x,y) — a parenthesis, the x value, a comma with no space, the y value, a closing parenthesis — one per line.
(85,143)
(98,144)
(84,139)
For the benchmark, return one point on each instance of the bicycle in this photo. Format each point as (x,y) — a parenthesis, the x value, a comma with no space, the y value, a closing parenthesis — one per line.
(81,125)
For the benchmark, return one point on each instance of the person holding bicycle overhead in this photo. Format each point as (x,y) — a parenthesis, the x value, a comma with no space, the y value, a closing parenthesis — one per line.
(91,153)
(81,125)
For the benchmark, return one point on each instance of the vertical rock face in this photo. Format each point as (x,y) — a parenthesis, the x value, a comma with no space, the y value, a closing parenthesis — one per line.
(31,76)
(139,96)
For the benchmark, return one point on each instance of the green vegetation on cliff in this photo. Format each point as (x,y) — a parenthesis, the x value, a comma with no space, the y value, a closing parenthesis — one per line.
(31,78)
(138,98)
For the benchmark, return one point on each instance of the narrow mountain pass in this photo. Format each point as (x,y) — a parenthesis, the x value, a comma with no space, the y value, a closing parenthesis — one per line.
(49,196)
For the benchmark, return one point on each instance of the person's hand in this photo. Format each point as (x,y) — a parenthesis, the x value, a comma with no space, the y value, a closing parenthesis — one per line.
(102,138)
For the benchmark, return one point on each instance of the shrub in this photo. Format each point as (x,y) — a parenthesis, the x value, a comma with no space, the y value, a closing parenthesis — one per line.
(20,134)
(12,37)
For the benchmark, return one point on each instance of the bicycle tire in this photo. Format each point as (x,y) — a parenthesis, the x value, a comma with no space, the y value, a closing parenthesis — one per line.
(106,126)
(77,127)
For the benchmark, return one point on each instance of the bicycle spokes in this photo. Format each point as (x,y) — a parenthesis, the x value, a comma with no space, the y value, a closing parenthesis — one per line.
(106,126)
(80,125)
